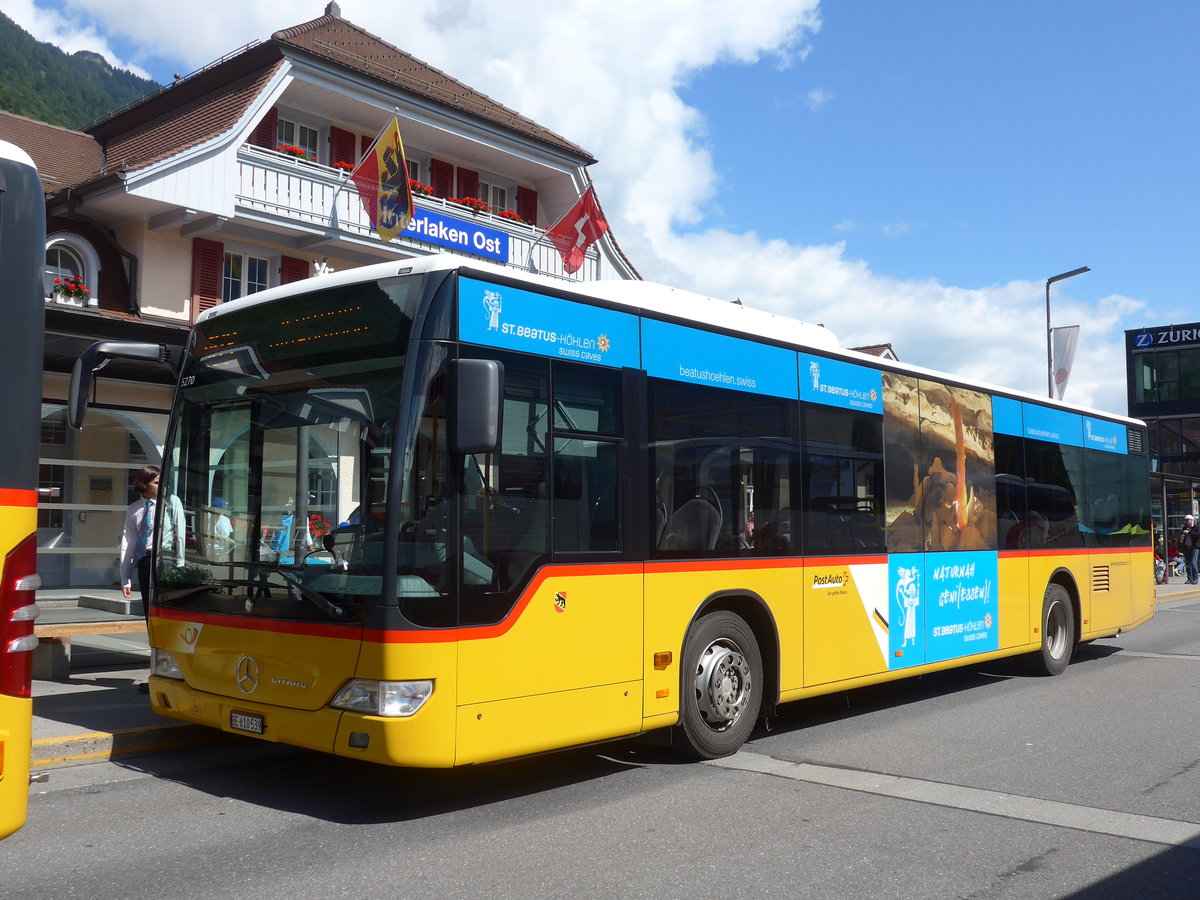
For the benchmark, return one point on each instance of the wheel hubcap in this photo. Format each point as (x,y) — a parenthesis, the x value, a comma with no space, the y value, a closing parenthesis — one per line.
(1056,629)
(722,684)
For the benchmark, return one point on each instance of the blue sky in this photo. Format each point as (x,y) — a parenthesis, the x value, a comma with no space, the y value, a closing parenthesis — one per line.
(977,143)
(908,172)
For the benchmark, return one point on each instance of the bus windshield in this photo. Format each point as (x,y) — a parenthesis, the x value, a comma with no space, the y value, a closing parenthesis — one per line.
(276,470)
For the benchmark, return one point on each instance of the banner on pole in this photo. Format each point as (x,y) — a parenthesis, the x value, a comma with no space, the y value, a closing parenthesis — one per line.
(1063,341)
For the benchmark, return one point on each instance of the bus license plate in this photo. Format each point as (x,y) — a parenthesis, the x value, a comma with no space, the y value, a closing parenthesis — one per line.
(248,722)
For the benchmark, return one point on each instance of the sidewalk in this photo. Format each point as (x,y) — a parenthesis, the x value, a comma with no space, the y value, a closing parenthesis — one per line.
(98,714)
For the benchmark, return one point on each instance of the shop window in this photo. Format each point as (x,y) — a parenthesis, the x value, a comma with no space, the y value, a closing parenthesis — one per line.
(91,472)
(1166,363)
(1189,374)
(52,480)
(1146,380)
(54,432)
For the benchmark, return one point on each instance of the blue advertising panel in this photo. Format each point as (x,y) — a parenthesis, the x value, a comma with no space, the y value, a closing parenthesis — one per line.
(962,602)
(906,610)
(943,606)
(1046,424)
(516,319)
(841,384)
(1006,416)
(1101,435)
(457,234)
(715,360)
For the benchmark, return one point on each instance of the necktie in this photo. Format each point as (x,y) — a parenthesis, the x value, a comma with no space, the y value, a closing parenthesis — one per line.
(143,538)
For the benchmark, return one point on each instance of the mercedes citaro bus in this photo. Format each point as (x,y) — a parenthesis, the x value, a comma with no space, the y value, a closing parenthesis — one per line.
(441,513)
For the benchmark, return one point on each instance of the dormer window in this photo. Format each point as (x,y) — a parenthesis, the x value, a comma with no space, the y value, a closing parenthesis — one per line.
(69,256)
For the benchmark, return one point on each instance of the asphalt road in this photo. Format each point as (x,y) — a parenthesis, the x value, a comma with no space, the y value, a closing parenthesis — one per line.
(984,782)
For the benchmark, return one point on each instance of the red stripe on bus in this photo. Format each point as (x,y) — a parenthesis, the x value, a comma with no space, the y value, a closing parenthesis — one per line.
(1071,551)
(273,626)
(485,632)
(18,497)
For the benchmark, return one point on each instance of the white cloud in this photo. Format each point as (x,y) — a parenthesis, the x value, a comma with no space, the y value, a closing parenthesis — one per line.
(895,229)
(817,98)
(66,31)
(608,76)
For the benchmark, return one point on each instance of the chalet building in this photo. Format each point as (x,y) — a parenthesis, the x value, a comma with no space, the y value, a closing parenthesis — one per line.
(235,179)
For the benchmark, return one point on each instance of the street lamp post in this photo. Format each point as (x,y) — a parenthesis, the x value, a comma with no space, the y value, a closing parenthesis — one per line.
(1049,330)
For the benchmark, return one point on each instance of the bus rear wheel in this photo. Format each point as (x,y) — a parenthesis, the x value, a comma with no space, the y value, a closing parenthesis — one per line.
(721,689)
(1058,632)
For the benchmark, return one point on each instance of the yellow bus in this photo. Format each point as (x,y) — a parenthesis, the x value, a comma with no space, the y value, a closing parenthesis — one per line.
(441,513)
(22,262)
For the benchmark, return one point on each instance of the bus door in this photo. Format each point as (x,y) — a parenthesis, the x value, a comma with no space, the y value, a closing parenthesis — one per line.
(551,610)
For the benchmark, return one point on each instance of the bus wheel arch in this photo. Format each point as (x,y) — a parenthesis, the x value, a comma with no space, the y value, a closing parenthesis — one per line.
(1059,626)
(728,670)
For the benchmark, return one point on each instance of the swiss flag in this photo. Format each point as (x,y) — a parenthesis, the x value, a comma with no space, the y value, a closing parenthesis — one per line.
(581,227)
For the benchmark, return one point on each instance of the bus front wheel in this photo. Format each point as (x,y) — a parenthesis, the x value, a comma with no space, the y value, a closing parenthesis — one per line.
(1058,632)
(721,689)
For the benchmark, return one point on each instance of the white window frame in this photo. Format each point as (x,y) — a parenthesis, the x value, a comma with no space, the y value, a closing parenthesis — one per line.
(272,266)
(91,266)
(488,182)
(320,133)
(418,161)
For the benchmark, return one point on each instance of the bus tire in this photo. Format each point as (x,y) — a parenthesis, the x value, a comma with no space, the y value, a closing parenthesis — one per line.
(1058,632)
(720,686)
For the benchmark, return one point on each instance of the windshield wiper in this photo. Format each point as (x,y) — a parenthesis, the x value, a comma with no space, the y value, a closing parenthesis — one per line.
(296,589)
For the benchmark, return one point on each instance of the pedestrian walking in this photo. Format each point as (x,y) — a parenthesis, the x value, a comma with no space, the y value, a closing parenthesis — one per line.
(139,526)
(1189,546)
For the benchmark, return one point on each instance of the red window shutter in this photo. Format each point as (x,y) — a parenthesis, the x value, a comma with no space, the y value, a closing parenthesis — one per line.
(208,261)
(364,145)
(527,204)
(267,132)
(441,174)
(468,183)
(292,269)
(341,146)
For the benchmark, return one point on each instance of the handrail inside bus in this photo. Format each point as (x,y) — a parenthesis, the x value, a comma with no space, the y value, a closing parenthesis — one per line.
(97,356)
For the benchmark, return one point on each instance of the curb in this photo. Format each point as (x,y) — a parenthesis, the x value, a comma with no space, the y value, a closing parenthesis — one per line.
(104,746)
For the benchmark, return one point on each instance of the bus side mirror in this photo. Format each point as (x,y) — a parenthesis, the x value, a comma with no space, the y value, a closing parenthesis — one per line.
(77,396)
(96,357)
(478,390)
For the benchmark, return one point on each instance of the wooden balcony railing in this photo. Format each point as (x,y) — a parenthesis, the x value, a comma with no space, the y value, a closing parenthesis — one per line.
(318,198)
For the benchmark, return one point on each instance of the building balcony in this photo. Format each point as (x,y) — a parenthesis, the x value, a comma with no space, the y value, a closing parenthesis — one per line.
(322,203)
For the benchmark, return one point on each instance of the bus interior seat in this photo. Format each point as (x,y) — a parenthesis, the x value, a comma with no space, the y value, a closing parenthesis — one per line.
(696,525)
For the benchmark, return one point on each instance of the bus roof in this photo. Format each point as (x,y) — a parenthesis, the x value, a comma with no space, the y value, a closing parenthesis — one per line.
(653,298)
(15,153)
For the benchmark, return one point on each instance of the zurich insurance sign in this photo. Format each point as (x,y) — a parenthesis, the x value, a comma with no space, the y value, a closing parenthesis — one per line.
(1165,336)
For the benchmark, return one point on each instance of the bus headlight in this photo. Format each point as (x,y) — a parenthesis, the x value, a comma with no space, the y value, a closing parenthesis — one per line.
(383,698)
(163,664)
